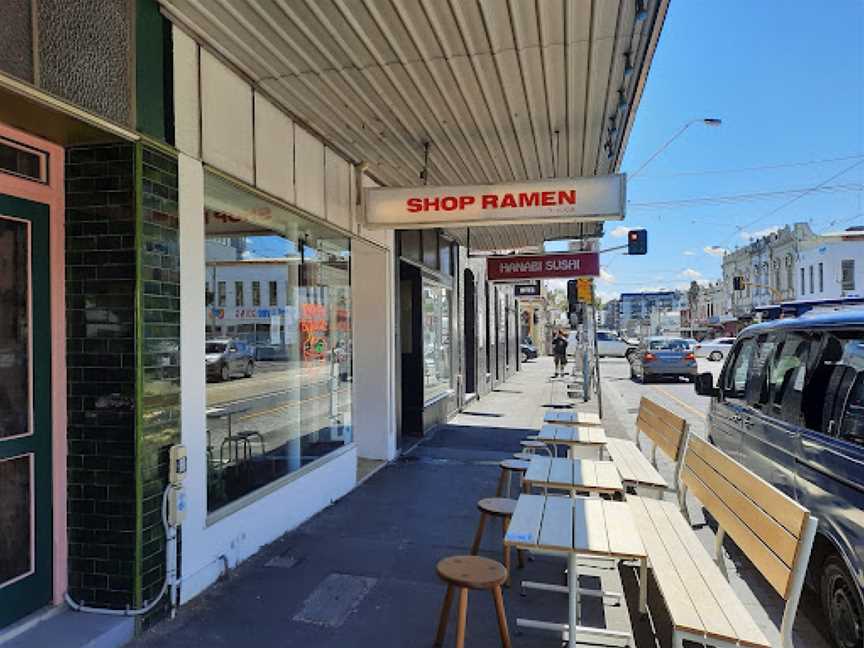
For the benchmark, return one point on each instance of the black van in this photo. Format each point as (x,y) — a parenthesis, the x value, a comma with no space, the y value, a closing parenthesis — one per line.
(789,405)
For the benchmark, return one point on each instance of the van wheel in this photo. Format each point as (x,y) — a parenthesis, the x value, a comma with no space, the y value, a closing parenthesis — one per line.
(224,373)
(715,356)
(841,604)
(250,369)
(629,353)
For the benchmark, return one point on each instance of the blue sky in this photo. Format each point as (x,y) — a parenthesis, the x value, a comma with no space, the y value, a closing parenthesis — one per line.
(786,79)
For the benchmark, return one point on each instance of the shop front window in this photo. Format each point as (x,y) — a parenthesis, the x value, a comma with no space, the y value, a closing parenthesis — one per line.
(278,376)
(436,340)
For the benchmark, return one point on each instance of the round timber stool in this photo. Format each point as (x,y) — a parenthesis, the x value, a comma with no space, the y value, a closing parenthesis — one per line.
(498,507)
(508,467)
(522,456)
(532,445)
(476,573)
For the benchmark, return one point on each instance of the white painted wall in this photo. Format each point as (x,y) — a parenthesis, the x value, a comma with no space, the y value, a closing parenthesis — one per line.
(241,534)
(309,171)
(186,114)
(274,150)
(830,252)
(373,321)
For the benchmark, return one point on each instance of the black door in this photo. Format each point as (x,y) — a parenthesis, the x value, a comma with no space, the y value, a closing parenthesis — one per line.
(470,314)
(411,356)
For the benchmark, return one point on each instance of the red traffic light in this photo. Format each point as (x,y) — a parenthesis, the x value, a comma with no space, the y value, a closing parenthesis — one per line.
(637,241)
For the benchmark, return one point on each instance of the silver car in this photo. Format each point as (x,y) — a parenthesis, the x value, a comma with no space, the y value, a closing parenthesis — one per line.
(663,356)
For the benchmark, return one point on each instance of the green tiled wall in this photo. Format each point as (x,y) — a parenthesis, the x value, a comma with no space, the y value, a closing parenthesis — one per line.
(158,349)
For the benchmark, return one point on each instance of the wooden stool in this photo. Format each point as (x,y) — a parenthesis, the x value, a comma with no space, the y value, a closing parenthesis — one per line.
(471,572)
(522,456)
(500,507)
(509,466)
(531,446)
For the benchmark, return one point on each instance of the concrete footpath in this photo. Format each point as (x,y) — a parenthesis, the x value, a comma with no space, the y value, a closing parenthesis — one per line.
(362,572)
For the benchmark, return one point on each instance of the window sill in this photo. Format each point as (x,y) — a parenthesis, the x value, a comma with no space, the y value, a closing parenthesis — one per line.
(233,507)
(438,398)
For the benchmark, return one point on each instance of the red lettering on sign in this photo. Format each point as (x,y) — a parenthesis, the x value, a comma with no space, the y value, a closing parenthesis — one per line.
(464,201)
(414,205)
(489,201)
(568,197)
(548,198)
(508,200)
(528,199)
(449,203)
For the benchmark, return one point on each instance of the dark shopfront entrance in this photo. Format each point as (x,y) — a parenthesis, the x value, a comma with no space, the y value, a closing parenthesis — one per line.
(410,417)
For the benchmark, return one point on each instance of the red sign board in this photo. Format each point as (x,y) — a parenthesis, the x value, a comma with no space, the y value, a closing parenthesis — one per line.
(543,266)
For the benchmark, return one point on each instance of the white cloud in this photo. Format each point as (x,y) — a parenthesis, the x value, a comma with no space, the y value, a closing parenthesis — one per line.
(621,231)
(715,250)
(690,273)
(749,236)
(606,276)
(688,253)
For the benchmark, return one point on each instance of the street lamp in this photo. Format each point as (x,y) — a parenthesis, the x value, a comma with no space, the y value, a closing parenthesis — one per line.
(708,121)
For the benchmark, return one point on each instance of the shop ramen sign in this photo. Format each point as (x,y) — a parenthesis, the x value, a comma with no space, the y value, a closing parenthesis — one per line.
(544,201)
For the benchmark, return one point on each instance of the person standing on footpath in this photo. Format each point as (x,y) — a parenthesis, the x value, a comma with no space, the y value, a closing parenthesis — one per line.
(559,352)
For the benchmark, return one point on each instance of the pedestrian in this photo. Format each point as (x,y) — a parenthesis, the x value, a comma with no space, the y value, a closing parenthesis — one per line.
(559,352)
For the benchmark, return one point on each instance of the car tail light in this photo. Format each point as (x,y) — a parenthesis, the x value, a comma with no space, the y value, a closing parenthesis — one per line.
(648,357)
(690,356)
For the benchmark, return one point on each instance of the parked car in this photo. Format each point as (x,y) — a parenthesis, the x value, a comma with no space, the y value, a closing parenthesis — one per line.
(610,344)
(662,357)
(228,357)
(789,405)
(527,348)
(714,349)
(691,343)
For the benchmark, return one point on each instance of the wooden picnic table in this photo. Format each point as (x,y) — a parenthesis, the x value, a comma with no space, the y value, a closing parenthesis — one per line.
(576,526)
(574,475)
(569,417)
(570,436)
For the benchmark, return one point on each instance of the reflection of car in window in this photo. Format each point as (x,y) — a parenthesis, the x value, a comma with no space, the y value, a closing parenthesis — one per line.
(228,357)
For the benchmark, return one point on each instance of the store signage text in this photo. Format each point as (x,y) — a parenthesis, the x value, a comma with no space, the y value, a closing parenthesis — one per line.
(541,201)
(548,266)
(528,290)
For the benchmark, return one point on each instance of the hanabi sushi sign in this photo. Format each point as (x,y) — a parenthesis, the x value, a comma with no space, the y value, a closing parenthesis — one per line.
(543,266)
(542,201)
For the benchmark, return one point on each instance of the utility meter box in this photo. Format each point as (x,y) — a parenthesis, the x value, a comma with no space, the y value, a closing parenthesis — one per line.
(177,464)
(176,506)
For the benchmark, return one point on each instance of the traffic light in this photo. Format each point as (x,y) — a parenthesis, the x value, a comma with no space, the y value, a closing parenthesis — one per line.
(637,241)
(572,296)
(738,283)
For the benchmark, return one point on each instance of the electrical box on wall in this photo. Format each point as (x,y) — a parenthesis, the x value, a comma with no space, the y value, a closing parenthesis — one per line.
(176,506)
(177,465)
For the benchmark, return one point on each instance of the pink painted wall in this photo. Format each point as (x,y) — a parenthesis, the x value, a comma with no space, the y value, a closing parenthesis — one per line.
(51,194)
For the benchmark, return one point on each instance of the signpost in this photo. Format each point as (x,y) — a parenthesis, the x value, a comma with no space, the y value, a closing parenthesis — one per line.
(543,266)
(542,201)
(527,290)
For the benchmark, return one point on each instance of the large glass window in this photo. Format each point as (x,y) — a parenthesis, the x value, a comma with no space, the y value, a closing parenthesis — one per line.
(436,340)
(279,376)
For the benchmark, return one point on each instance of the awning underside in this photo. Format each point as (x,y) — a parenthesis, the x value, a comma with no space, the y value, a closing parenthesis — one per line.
(499,91)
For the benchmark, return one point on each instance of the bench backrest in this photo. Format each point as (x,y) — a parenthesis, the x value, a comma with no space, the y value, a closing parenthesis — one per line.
(769,527)
(665,429)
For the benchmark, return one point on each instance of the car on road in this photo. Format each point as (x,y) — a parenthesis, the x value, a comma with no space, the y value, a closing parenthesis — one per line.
(715,349)
(228,357)
(657,357)
(610,343)
(789,405)
(528,350)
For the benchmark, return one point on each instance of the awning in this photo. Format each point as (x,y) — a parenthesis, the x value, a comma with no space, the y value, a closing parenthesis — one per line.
(494,91)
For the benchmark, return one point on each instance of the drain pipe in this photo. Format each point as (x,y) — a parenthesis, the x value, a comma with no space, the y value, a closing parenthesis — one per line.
(170,575)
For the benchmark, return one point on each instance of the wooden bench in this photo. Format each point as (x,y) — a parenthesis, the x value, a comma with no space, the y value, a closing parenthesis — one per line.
(772,530)
(666,430)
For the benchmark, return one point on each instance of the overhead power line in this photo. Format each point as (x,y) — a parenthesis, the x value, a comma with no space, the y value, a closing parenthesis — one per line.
(749,197)
(767,167)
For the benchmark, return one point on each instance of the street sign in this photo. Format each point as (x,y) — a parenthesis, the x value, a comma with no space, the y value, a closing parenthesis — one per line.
(527,290)
(584,290)
(543,266)
(542,201)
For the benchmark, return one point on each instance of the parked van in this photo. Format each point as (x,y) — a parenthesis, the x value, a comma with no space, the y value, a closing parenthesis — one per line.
(789,405)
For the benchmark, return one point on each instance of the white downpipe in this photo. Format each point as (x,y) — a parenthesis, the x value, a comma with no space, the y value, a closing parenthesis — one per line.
(170,575)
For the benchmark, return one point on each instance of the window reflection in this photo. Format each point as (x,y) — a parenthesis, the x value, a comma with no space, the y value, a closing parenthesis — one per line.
(279,373)
(436,340)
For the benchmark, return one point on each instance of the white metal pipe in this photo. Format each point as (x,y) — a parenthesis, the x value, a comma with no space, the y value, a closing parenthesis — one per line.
(797,582)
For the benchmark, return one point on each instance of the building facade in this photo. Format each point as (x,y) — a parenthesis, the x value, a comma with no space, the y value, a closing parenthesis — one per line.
(831,267)
(186,270)
(650,313)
